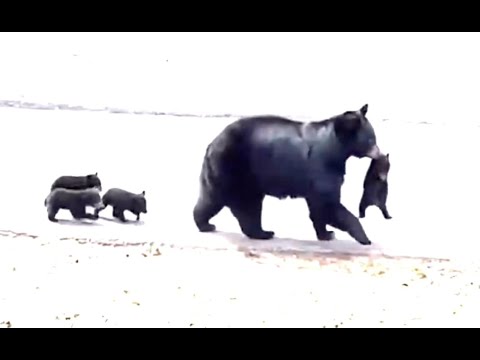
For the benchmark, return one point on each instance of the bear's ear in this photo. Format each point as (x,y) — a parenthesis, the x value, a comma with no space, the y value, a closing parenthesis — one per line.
(364,109)
(143,193)
(96,174)
(349,122)
(388,156)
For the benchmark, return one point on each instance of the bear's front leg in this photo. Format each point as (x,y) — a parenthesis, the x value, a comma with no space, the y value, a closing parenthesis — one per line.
(319,221)
(91,216)
(119,214)
(79,213)
(98,209)
(341,218)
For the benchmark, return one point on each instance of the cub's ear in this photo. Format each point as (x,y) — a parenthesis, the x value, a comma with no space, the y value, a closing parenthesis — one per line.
(96,174)
(388,156)
(364,109)
(143,193)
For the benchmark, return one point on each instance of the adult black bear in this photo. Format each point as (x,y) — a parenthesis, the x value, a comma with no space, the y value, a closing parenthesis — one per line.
(375,186)
(74,200)
(271,155)
(77,182)
(122,200)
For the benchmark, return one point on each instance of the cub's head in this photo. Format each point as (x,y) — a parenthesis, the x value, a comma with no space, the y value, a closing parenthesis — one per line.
(140,203)
(93,181)
(381,166)
(357,134)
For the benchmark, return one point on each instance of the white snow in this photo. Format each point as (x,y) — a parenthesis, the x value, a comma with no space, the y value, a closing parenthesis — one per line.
(430,197)
(417,77)
(406,78)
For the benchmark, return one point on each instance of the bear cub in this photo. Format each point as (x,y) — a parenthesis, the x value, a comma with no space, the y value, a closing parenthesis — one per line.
(375,186)
(73,200)
(77,182)
(122,200)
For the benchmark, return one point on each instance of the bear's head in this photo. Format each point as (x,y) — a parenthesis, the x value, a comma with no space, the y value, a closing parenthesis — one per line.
(356,133)
(140,203)
(381,166)
(93,181)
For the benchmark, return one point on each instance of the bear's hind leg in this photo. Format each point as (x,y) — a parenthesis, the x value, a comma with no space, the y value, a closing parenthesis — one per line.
(52,212)
(206,208)
(248,212)
(385,213)
(383,204)
(364,204)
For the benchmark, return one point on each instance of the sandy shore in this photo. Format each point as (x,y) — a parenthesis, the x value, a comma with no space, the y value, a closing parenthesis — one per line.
(71,283)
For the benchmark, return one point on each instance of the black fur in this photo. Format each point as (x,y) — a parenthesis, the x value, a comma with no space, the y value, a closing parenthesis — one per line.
(74,200)
(77,182)
(122,200)
(375,186)
(271,155)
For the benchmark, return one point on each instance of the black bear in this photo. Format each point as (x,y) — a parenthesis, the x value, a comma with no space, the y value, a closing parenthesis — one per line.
(271,155)
(77,182)
(375,186)
(74,200)
(122,200)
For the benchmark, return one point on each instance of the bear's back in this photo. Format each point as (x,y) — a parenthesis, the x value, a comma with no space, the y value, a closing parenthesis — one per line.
(65,197)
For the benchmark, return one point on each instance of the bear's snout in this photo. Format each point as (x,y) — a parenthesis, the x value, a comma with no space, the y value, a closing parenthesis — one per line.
(374,152)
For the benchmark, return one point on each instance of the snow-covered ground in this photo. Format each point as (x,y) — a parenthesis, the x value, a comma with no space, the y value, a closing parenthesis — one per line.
(423,93)
(430,199)
(424,84)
